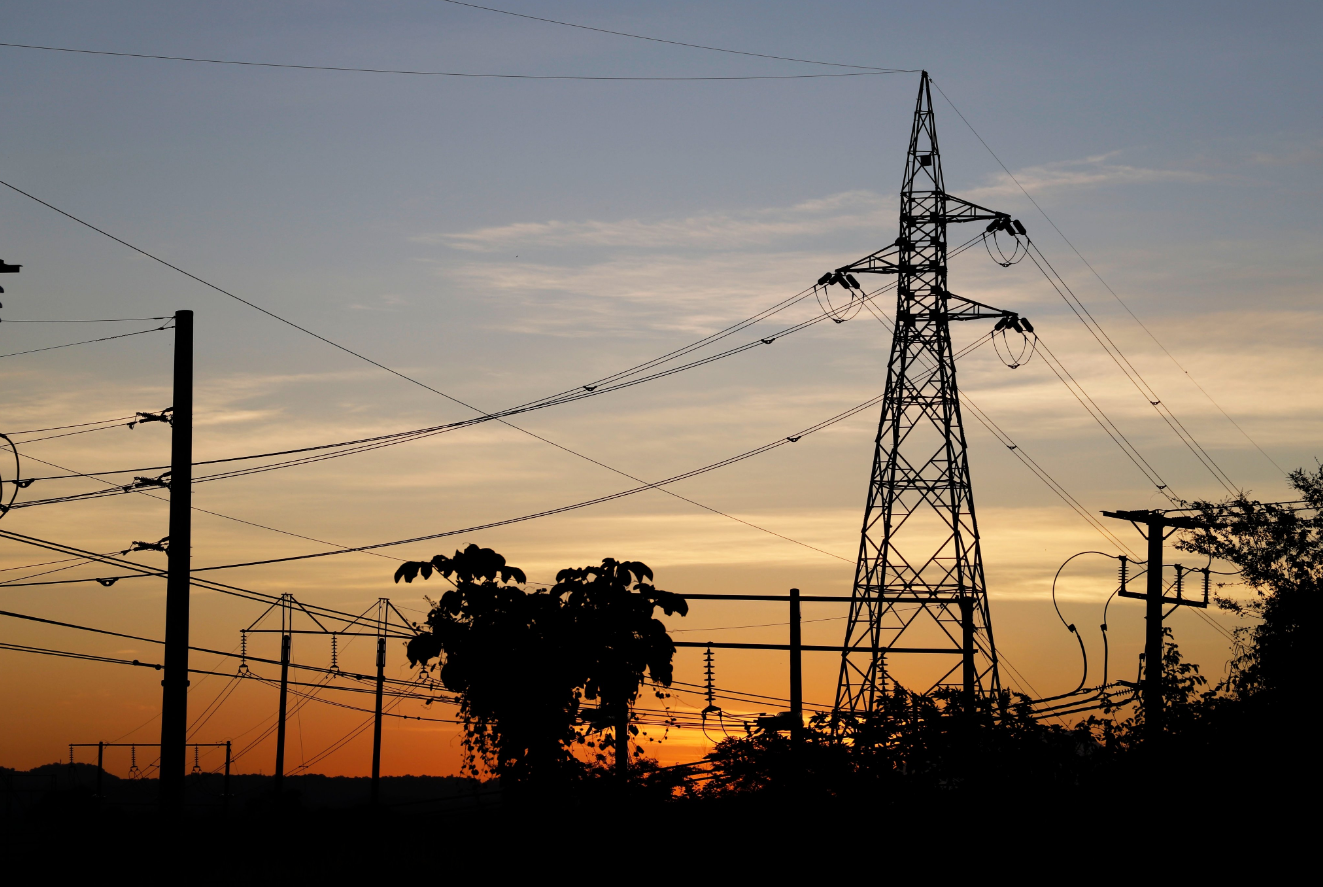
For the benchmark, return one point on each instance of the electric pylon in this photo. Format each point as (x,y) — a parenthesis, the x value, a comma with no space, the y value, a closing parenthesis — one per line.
(920,571)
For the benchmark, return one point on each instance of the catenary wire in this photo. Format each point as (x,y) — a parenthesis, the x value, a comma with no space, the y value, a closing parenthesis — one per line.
(111,422)
(1024,458)
(369,360)
(564,508)
(454,74)
(97,320)
(1105,422)
(1127,368)
(1105,284)
(779,58)
(84,342)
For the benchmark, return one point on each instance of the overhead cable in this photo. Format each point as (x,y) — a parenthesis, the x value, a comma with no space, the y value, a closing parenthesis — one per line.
(748,454)
(1128,369)
(1025,459)
(1105,284)
(455,74)
(156,329)
(779,58)
(385,368)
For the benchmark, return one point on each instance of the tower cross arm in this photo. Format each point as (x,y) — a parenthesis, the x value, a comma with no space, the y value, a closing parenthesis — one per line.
(961,210)
(961,308)
(884,261)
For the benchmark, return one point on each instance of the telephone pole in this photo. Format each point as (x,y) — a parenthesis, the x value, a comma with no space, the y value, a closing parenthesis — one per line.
(286,636)
(381,680)
(174,684)
(796,669)
(1156,526)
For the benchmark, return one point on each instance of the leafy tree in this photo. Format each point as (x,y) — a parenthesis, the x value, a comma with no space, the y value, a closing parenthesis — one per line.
(522,662)
(1279,549)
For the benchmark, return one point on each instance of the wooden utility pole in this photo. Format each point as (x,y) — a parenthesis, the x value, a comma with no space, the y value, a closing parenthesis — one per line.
(1156,524)
(381,680)
(286,613)
(174,684)
(1151,691)
(796,669)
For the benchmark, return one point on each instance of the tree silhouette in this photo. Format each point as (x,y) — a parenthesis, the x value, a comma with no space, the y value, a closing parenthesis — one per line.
(1279,549)
(523,662)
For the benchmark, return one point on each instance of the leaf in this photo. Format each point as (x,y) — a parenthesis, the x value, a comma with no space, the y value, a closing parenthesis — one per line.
(408,570)
(672,603)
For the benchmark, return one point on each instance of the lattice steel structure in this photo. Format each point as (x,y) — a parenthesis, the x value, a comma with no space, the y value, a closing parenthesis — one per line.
(919,582)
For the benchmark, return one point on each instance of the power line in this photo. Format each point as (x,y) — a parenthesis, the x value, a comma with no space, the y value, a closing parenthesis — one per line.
(456,74)
(757,451)
(84,342)
(1024,458)
(779,58)
(200,510)
(96,320)
(348,619)
(78,425)
(382,366)
(1128,369)
(1106,286)
(1104,421)
(614,382)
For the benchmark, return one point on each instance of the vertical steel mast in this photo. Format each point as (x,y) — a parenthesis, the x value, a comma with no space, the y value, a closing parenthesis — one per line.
(919,561)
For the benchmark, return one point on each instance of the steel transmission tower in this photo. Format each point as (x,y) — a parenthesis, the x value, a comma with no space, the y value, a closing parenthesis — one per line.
(919,582)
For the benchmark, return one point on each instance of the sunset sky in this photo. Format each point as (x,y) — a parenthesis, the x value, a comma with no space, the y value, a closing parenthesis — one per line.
(500,240)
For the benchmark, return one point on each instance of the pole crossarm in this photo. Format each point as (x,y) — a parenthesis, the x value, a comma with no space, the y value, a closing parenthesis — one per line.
(1154,525)
(1161,517)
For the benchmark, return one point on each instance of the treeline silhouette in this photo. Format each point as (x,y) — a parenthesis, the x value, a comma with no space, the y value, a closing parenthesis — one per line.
(546,678)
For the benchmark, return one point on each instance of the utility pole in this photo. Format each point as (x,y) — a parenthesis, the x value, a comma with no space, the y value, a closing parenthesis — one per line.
(286,625)
(1157,524)
(796,670)
(1152,687)
(174,693)
(381,680)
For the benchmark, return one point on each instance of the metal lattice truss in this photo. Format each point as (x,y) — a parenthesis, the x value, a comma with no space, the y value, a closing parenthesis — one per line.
(920,566)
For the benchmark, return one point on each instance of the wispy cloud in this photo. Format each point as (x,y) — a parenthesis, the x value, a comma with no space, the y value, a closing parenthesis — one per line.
(1089,172)
(1289,155)
(754,228)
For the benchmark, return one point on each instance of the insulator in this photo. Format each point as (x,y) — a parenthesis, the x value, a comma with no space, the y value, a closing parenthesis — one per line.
(825,279)
(1028,327)
(1180,577)
(1018,227)
(1125,562)
(1015,325)
(1205,571)
(854,284)
(1001,324)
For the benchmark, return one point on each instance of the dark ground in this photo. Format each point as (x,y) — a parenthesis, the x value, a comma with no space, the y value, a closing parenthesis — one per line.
(447,828)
